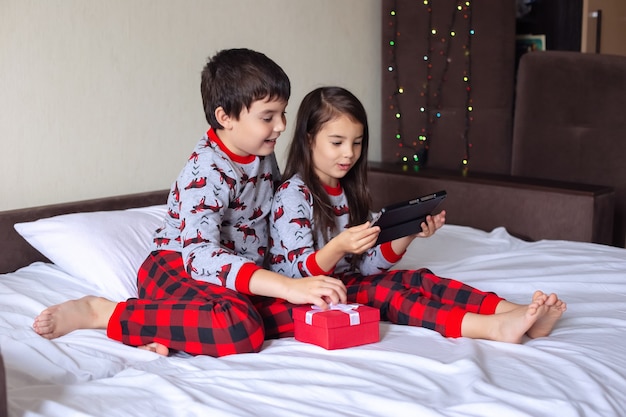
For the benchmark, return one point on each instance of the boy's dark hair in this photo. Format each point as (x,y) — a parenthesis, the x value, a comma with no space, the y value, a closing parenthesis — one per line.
(234,78)
(317,108)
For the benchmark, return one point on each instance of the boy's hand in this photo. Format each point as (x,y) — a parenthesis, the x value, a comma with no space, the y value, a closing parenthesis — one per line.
(432,223)
(318,290)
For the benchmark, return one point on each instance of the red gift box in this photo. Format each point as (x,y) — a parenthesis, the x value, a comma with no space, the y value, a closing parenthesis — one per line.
(342,326)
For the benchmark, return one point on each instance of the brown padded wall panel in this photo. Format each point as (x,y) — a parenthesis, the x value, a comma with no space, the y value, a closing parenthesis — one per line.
(492,82)
(570,123)
(529,209)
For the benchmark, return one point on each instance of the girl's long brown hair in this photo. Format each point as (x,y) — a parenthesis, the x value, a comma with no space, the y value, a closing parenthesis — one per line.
(317,108)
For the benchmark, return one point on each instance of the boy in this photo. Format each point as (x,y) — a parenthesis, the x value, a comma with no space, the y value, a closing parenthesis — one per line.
(198,289)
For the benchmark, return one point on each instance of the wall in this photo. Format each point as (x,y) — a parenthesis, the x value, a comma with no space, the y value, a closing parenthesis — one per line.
(102,98)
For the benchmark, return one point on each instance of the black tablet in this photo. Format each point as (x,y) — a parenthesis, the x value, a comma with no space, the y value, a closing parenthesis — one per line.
(405,218)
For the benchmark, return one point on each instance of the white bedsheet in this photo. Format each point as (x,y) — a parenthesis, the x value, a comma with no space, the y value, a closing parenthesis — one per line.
(580,370)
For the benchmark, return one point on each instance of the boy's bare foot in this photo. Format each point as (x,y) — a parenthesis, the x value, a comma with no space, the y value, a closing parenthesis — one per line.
(89,312)
(156,348)
(555,308)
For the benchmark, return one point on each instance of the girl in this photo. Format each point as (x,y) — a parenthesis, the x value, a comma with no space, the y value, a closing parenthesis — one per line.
(319,226)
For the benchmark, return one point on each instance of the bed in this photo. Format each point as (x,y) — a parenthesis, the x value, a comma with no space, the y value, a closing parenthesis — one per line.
(580,370)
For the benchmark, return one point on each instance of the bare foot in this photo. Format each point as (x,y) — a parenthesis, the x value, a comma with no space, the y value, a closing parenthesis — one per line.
(540,296)
(514,324)
(505,306)
(509,326)
(156,348)
(555,308)
(89,312)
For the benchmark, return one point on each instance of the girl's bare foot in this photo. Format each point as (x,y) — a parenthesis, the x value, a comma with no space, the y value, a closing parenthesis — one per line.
(540,296)
(555,308)
(509,326)
(512,326)
(505,306)
(89,312)
(156,348)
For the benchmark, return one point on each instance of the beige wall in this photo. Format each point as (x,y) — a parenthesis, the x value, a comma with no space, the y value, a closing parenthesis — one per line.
(101,98)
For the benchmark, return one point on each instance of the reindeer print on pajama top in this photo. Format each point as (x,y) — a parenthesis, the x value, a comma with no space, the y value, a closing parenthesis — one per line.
(218,212)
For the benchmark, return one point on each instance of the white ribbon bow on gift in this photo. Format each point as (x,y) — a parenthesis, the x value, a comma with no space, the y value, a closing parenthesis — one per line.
(349,309)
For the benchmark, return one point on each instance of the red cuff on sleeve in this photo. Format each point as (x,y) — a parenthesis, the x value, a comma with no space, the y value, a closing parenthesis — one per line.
(242,282)
(389,254)
(313,267)
(114,327)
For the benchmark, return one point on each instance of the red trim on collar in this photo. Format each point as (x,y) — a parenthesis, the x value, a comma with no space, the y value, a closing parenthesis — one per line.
(333,190)
(212,135)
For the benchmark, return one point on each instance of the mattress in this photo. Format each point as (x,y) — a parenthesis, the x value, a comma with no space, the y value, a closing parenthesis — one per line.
(579,370)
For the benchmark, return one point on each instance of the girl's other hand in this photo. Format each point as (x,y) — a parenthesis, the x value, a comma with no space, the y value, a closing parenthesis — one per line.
(432,224)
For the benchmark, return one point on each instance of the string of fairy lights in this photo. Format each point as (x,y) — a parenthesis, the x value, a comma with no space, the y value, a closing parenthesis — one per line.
(413,147)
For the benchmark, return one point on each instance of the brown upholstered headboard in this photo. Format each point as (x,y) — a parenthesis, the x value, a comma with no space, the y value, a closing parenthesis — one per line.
(570,124)
(15,252)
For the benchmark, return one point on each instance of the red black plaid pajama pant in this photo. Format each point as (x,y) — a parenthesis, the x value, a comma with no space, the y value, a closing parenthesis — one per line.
(194,316)
(420,298)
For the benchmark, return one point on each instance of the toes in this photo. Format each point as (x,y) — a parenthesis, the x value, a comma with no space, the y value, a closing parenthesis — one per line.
(552,299)
(162,350)
(537,294)
(41,328)
(156,348)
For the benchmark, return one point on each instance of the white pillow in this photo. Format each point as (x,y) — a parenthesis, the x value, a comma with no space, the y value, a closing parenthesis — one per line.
(105,248)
